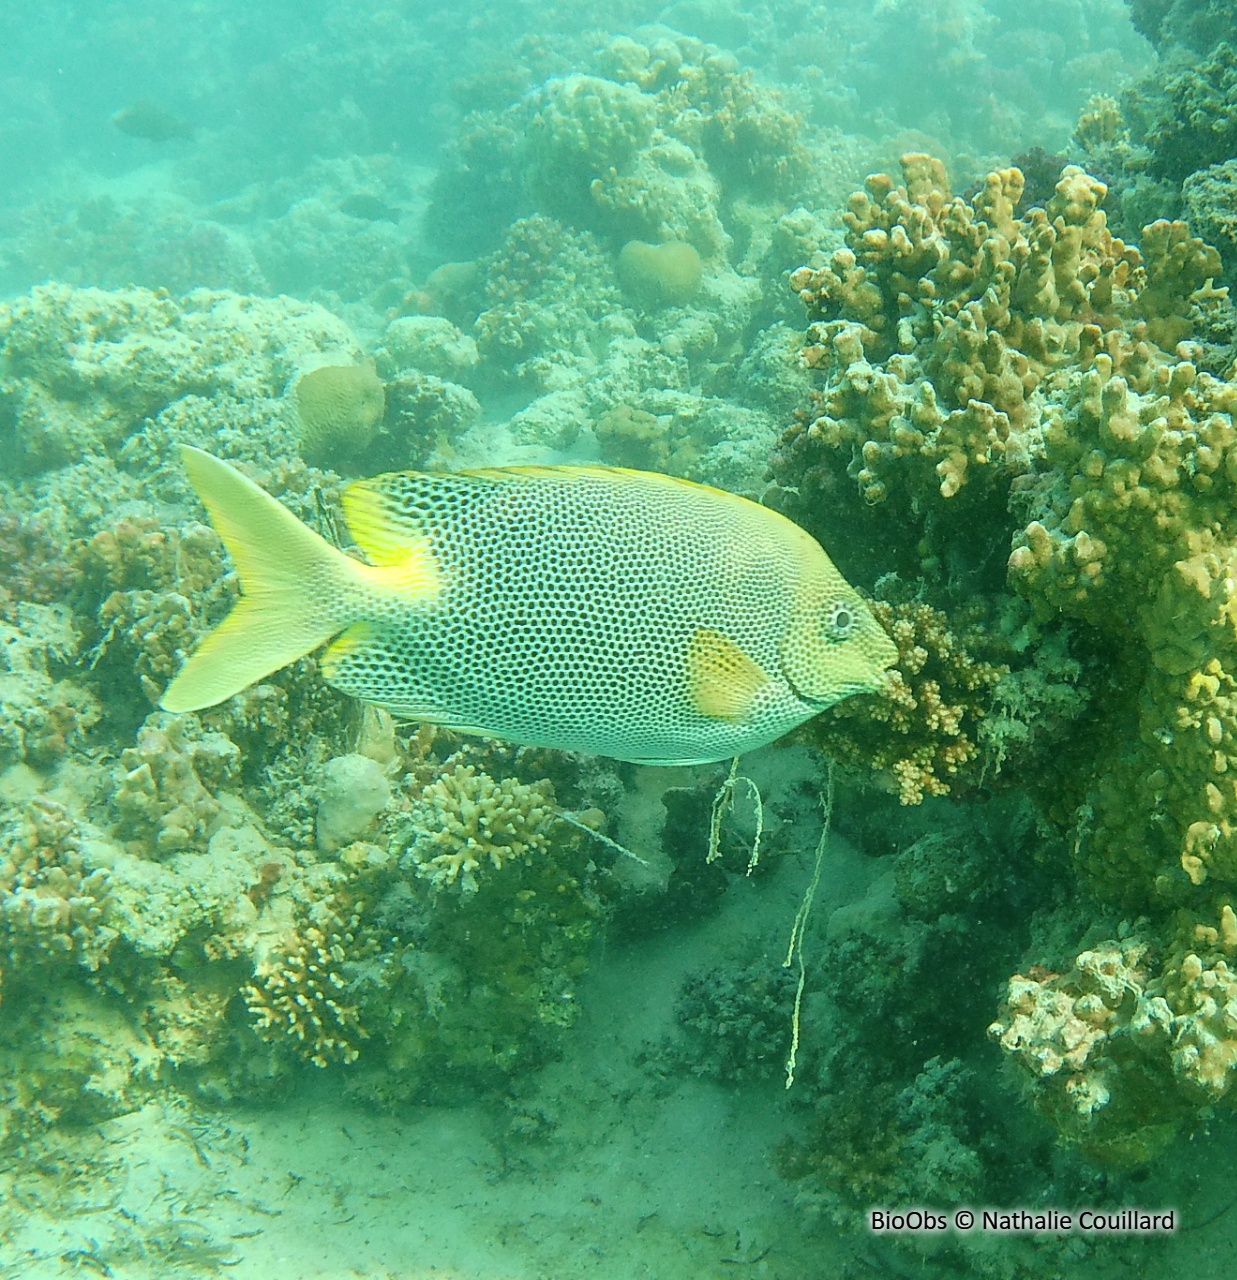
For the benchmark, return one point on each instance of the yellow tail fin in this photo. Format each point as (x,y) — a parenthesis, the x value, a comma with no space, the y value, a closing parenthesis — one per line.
(293,588)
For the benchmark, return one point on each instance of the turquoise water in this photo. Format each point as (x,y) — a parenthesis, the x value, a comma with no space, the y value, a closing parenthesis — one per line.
(292,986)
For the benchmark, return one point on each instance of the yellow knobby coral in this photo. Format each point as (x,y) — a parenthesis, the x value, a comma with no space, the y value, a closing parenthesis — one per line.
(942,318)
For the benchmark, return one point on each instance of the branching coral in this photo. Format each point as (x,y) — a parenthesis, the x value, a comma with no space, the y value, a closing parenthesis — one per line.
(923,728)
(298,993)
(1135,536)
(545,289)
(466,818)
(942,317)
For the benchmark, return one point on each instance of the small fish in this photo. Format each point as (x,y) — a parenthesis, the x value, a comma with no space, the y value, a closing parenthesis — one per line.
(144,119)
(588,608)
(367,207)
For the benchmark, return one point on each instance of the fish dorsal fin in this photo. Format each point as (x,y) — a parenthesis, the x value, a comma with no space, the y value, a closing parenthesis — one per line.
(722,680)
(384,530)
(565,473)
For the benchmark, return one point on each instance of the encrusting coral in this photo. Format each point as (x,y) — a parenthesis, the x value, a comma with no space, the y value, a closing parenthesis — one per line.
(41,718)
(166,783)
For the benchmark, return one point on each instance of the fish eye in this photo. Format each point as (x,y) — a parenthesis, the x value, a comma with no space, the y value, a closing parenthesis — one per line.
(840,621)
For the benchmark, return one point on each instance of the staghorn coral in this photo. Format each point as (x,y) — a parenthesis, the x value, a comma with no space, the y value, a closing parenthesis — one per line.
(465,818)
(298,995)
(923,729)
(53,904)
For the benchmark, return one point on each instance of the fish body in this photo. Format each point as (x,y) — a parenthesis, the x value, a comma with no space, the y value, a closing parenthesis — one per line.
(146,120)
(592,609)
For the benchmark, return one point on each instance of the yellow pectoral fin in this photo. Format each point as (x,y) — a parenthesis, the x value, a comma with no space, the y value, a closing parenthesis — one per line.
(722,681)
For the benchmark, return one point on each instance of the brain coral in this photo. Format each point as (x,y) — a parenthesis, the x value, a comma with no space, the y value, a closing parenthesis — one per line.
(660,274)
(339,408)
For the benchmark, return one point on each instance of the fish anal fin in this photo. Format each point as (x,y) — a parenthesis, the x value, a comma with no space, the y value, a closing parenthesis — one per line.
(722,681)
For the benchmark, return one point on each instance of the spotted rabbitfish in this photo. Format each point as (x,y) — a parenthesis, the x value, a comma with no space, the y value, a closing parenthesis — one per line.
(586,608)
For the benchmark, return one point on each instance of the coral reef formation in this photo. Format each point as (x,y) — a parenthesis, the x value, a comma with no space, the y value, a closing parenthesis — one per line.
(924,729)
(1123,1049)
(299,993)
(978,360)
